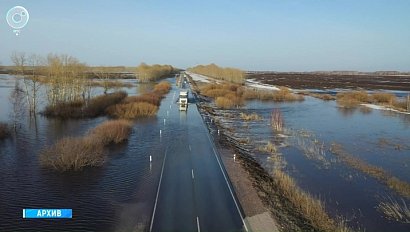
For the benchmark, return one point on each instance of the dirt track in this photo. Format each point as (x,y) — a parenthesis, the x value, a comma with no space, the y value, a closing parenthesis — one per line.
(332,81)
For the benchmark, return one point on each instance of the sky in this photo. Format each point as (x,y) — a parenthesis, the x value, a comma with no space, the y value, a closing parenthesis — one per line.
(277,35)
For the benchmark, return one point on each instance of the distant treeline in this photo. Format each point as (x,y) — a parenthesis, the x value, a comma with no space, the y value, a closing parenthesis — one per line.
(146,73)
(227,74)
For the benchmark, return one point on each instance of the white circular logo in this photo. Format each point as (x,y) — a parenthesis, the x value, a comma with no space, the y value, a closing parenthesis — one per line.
(17,17)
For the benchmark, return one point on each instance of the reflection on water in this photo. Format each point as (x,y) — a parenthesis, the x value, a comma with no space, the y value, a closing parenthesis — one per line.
(116,197)
(312,126)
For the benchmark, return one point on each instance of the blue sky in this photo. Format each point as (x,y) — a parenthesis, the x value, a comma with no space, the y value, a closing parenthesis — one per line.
(282,35)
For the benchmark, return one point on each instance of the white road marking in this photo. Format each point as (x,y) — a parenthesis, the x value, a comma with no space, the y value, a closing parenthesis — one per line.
(197,224)
(227,183)
(192,173)
(190,148)
(159,186)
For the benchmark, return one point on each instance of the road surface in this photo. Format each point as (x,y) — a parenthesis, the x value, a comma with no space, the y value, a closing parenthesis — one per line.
(193,192)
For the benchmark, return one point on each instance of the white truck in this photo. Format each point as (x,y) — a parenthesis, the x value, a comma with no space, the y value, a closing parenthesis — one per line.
(183,100)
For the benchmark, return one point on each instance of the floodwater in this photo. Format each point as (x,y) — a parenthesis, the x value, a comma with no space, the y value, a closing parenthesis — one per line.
(118,196)
(379,138)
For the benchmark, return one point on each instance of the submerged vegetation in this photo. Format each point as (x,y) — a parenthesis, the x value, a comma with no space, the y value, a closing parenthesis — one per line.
(250,117)
(227,74)
(76,153)
(277,120)
(395,210)
(84,109)
(4,131)
(281,95)
(146,73)
(401,187)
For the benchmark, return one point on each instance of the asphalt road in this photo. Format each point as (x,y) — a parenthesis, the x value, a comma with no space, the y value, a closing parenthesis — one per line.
(193,192)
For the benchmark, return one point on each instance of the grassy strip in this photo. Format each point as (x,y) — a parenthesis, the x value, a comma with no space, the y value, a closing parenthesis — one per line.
(401,187)
(81,109)
(4,131)
(77,153)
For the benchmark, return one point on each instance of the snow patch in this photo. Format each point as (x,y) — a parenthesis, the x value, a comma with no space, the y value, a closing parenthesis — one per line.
(198,77)
(378,107)
(255,84)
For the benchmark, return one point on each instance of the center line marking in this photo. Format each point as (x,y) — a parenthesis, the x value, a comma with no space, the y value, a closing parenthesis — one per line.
(193,177)
(190,148)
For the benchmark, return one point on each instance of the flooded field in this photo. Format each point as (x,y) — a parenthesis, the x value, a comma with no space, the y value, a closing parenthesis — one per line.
(311,129)
(118,196)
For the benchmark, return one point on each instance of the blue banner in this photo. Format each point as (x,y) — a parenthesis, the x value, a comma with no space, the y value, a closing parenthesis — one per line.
(47,213)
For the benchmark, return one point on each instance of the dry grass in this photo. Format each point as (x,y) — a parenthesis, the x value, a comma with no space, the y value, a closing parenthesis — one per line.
(73,154)
(4,131)
(277,120)
(401,187)
(282,95)
(250,117)
(88,151)
(323,96)
(162,88)
(224,103)
(352,98)
(387,98)
(113,131)
(132,110)
(151,98)
(80,109)
(394,210)
(312,208)
(111,84)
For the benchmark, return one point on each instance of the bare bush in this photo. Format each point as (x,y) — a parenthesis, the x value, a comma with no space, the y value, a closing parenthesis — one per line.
(146,73)
(132,110)
(113,131)
(73,154)
(227,74)
(80,109)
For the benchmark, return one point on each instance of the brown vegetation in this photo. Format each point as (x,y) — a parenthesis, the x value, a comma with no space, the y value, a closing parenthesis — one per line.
(394,210)
(312,208)
(77,153)
(250,117)
(354,98)
(277,120)
(144,105)
(282,95)
(227,74)
(113,131)
(73,154)
(4,131)
(80,109)
(146,73)
(401,187)
(132,110)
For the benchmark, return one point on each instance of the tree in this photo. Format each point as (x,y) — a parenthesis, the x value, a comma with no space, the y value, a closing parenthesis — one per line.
(18,104)
(19,60)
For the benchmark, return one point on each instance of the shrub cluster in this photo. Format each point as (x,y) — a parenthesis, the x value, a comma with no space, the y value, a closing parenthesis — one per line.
(146,73)
(80,109)
(76,153)
(227,74)
(144,105)
(355,98)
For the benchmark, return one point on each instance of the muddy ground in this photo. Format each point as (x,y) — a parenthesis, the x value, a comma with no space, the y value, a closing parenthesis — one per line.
(333,81)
